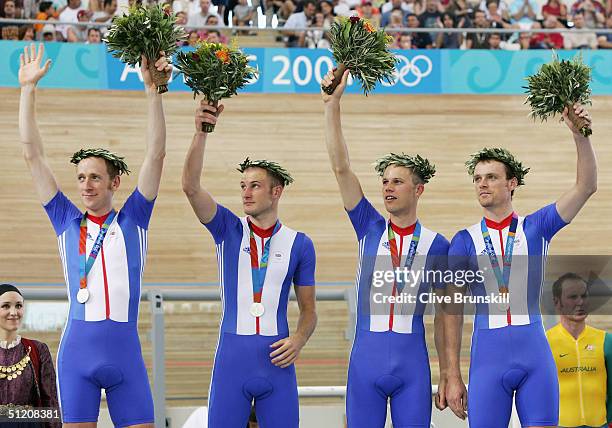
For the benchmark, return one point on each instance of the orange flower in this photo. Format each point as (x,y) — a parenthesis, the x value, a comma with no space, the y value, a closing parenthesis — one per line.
(369,28)
(223,55)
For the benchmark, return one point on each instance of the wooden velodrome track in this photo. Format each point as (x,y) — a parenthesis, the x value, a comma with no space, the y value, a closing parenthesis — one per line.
(286,128)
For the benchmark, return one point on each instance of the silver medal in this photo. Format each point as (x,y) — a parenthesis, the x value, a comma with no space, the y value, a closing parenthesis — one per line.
(83,295)
(257,309)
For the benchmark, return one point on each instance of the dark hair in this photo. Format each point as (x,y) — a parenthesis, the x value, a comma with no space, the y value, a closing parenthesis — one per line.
(557,288)
(451,16)
(492,1)
(44,6)
(107,2)
(307,2)
(89,30)
(499,35)
(24,29)
(408,15)
(5,288)
(211,16)
(479,11)
(217,32)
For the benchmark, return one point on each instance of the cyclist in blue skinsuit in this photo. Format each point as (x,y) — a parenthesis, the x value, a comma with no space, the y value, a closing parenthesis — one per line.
(259,259)
(510,356)
(389,360)
(103,254)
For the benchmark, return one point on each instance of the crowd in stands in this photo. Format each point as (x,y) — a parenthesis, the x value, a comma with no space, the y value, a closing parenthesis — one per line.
(303,23)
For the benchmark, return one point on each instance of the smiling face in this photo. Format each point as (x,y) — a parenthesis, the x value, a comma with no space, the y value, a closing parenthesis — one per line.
(11,311)
(492,186)
(399,190)
(96,186)
(260,192)
(573,303)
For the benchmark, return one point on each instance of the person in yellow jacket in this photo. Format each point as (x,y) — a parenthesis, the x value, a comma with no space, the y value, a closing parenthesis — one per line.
(583,356)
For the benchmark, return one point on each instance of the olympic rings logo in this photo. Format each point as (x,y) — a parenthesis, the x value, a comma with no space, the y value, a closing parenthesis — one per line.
(419,67)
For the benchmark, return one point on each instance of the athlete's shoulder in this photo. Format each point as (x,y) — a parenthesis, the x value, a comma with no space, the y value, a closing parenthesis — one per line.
(594,331)
(554,331)
(462,240)
(439,243)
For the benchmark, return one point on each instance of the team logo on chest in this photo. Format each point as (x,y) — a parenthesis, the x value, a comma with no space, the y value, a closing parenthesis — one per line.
(247,250)
(386,245)
(276,256)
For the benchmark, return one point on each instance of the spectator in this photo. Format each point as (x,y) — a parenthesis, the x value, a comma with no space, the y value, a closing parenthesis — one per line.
(9,31)
(213,36)
(94,36)
(396,4)
(198,20)
(187,6)
(495,17)
(461,12)
(78,33)
(605,40)
(327,8)
(396,21)
(213,21)
(523,13)
(26,33)
(548,40)
(48,33)
(45,11)
(432,16)
(386,15)
(449,40)
(281,8)
(369,12)
(524,41)
(316,38)
(69,15)
(419,40)
(494,40)
(105,16)
(193,38)
(242,14)
(299,20)
(594,13)
(502,7)
(404,41)
(181,18)
(478,40)
(555,8)
(574,40)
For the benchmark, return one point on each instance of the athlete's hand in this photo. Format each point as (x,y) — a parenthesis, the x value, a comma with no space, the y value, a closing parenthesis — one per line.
(580,111)
(327,80)
(30,70)
(206,113)
(161,64)
(440,399)
(287,351)
(456,396)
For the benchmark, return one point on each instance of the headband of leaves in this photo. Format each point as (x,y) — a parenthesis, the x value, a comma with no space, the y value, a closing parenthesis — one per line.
(500,155)
(117,161)
(272,167)
(417,164)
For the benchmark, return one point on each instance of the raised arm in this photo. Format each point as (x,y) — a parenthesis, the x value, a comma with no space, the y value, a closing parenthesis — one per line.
(151,171)
(571,202)
(201,201)
(30,72)
(350,188)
